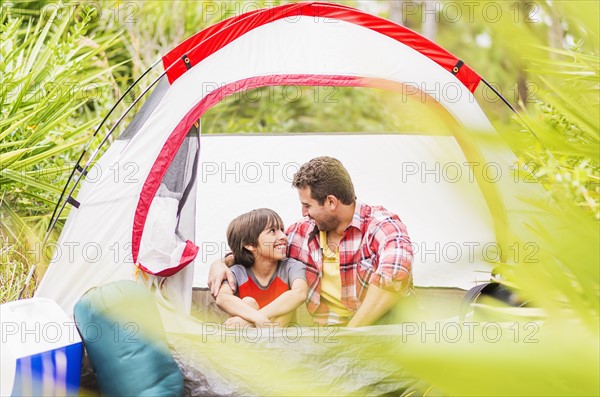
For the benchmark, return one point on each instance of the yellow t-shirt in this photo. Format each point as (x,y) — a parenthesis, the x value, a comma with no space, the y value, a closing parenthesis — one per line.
(331,282)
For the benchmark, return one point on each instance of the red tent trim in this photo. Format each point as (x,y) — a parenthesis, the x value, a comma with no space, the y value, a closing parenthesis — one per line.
(212,39)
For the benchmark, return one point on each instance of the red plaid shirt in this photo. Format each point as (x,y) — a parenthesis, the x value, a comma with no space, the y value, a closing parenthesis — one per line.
(375,249)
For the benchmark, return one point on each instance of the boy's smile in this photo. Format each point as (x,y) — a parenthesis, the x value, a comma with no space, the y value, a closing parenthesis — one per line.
(272,245)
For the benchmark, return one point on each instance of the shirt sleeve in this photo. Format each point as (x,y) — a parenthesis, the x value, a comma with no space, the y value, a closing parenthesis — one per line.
(295,270)
(238,274)
(391,243)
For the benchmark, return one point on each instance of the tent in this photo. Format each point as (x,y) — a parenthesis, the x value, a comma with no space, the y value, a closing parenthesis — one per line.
(154,206)
(151,206)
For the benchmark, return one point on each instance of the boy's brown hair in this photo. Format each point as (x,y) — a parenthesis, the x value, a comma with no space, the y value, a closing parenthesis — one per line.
(325,176)
(245,230)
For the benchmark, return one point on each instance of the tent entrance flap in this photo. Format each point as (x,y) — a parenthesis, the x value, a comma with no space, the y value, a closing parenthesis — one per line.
(166,245)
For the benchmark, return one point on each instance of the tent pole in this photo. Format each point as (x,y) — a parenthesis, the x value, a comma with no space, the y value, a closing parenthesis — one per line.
(517,114)
(88,163)
(500,96)
(62,194)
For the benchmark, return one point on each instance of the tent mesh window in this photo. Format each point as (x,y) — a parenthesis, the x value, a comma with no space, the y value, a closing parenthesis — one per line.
(180,181)
(171,219)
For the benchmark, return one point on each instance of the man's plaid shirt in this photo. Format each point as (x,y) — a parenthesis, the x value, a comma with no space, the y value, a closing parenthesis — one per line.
(375,249)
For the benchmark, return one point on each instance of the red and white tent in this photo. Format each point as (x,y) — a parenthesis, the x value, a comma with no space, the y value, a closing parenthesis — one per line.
(137,207)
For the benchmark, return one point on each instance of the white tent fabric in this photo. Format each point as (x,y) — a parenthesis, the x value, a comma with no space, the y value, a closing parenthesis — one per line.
(116,225)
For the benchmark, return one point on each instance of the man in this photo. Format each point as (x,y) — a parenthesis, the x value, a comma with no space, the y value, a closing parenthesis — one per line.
(358,257)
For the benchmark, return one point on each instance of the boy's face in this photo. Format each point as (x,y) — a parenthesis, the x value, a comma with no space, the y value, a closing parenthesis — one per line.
(272,244)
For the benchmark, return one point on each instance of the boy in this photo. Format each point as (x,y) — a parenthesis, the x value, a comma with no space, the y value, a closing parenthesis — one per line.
(268,287)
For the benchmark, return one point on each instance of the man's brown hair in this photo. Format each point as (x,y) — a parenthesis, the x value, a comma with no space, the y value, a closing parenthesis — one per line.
(245,230)
(325,176)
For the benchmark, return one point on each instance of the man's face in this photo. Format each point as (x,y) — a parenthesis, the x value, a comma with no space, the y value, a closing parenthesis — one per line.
(323,216)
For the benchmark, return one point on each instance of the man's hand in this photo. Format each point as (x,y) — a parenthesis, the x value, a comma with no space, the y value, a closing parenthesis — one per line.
(219,272)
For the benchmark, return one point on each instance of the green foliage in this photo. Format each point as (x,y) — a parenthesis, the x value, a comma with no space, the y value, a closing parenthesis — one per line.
(55,83)
(558,142)
(50,71)
(294,109)
(13,274)
(567,124)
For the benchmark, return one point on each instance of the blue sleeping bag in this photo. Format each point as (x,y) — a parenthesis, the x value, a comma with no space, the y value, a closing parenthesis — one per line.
(122,332)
